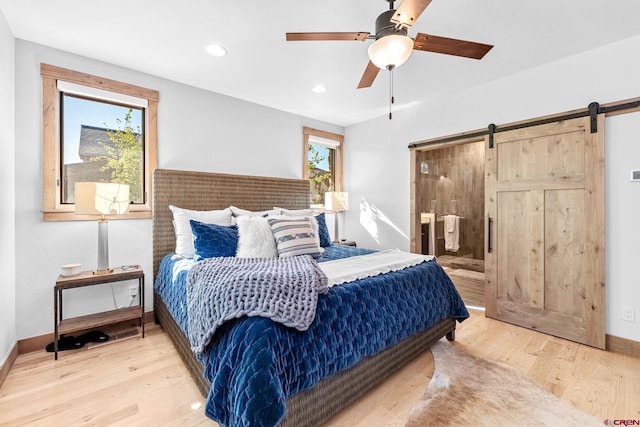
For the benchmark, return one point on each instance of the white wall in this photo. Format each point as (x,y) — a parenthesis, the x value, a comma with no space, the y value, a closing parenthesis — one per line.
(197,130)
(622,203)
(7,190)
(200,130)
(377,159)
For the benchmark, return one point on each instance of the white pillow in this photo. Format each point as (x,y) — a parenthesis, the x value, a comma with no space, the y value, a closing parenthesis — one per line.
(182,227)
(255,238)
(299,212)
(242,212)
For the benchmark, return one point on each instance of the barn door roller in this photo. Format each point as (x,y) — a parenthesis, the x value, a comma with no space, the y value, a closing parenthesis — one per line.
(594,110)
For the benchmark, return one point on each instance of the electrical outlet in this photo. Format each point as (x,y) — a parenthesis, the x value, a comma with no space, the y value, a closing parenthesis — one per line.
(628,314)
(133,291)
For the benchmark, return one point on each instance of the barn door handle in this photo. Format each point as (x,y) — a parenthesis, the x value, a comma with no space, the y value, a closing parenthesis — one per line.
(490,222)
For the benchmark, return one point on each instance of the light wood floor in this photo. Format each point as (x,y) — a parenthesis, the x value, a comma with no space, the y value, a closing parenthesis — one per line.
(470,285)
(142,382)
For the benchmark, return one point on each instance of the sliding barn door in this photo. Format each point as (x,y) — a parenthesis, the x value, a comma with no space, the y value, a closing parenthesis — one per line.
(544,203)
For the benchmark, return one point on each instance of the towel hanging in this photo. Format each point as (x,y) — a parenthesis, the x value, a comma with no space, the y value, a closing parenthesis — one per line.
(451,233)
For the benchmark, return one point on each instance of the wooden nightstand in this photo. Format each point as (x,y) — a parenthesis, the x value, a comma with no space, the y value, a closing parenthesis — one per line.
(347,243)
(87,278)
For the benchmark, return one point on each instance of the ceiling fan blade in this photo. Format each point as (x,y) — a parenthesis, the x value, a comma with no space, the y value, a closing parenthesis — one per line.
(409,12)
(292,37)
(369,75)
(437,44)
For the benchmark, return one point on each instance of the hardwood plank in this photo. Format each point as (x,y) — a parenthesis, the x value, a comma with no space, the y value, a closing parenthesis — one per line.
(135,381)
(470,289)
(143,381)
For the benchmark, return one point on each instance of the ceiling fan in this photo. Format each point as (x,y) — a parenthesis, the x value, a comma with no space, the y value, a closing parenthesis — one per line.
(392,46)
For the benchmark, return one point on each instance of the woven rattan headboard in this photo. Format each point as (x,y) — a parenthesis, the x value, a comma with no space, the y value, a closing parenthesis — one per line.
(208,191)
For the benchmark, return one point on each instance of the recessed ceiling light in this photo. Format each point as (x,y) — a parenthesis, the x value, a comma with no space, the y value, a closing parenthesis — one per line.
(319,89)
(216,50)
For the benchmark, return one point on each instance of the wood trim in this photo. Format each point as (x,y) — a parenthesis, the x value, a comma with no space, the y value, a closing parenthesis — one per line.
(51,142)
(59,73)
(8,364)
(52,208)
(38,343)
(415,201)
(622,345)
(305,155)
(323,134)
(151,155)
(71,216)
(455,139)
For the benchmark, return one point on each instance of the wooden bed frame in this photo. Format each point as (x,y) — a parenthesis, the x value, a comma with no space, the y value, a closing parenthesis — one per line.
(207,191)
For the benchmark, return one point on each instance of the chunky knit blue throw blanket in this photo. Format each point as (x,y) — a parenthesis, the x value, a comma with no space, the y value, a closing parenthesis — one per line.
(282,289)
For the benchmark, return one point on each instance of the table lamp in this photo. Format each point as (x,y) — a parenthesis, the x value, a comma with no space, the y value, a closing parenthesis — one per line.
(102,198)
(338,202)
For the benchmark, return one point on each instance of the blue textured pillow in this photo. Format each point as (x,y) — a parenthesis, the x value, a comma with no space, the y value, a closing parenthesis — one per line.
(323,231)
(211,240)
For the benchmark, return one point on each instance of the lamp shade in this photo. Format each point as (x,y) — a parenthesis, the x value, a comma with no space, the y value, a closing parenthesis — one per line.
(390,51)
(101,198)
(336,201)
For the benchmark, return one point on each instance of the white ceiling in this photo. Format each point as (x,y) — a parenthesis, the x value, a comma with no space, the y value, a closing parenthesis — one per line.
(167,38)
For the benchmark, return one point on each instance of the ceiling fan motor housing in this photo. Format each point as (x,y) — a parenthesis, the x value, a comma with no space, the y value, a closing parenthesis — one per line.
(385,27)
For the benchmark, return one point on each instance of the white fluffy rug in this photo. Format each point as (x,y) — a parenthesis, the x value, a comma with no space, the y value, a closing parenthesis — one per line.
(469,391)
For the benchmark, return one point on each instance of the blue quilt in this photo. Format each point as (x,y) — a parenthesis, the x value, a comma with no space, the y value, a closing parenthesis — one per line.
(254,365)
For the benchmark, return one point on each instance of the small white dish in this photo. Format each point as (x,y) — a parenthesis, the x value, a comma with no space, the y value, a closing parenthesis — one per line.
(70,270)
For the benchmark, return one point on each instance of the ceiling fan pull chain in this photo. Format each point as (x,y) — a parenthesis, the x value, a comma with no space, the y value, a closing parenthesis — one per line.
(391,99)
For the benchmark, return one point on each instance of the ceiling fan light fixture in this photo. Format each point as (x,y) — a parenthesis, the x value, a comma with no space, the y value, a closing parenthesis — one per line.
(390,51)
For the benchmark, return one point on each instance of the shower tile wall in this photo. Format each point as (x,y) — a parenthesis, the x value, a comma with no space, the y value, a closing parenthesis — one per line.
(453,177)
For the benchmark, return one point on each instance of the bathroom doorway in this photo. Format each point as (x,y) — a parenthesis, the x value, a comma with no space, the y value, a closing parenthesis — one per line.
(449,202)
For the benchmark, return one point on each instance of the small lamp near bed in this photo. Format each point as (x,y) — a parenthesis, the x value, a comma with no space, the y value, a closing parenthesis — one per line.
(338,202)
(102,198)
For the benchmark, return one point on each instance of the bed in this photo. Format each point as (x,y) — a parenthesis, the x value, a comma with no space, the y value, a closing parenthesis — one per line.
(311,398)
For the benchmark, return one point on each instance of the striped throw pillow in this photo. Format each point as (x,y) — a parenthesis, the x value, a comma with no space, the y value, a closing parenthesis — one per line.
(295,237)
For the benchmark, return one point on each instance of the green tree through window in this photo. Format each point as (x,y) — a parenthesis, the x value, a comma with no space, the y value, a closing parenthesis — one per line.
(124,158)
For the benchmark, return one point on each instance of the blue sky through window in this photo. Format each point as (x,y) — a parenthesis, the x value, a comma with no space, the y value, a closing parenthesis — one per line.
(324,152)
(78,111)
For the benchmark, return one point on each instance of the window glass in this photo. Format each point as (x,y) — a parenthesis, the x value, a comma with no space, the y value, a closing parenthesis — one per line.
(101,142)
(321,165)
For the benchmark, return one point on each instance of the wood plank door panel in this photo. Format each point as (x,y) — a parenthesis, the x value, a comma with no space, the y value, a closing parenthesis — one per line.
(545,201)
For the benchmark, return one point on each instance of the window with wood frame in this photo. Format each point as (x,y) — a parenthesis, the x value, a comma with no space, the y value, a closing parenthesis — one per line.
(98,130)
(322,164)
